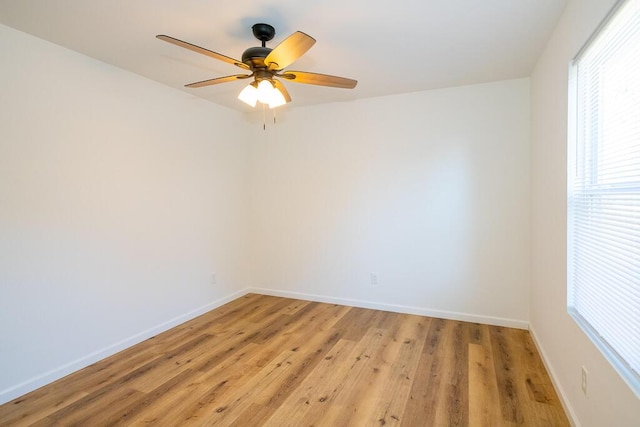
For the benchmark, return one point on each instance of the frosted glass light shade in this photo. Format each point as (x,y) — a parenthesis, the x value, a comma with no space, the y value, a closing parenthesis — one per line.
(265,91)
(277,99)
(249,95)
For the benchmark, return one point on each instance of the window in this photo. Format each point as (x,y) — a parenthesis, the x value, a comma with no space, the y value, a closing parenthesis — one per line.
(604,190)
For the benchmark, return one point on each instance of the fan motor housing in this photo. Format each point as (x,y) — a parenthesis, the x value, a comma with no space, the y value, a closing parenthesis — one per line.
(254,56)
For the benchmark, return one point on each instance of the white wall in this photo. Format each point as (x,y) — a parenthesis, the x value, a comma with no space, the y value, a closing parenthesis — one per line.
(118,198)
(429,190)
(566,348)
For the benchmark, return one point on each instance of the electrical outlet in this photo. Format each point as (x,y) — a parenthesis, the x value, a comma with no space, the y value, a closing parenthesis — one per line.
(213,279)
(584,380)
(374,278)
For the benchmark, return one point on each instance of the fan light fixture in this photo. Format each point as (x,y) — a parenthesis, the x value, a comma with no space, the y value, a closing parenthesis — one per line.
(265,92)
(263,65)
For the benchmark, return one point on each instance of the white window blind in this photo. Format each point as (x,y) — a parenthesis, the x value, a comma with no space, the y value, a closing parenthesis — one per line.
(604,191)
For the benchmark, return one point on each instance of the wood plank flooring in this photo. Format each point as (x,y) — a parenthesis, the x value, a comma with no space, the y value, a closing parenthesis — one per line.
(268,361)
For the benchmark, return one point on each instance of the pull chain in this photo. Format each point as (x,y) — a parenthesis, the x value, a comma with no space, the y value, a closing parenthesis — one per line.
(264,116)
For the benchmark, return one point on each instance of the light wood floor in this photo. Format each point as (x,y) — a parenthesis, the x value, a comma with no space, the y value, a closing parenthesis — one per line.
(267,361)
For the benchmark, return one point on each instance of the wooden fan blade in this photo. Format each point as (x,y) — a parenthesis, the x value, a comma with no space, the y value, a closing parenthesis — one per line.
(319,79)
(202,50)
(219,80)
(290,49)
(282,90)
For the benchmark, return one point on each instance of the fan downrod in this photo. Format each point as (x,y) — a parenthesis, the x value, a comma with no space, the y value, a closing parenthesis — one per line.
(263,32)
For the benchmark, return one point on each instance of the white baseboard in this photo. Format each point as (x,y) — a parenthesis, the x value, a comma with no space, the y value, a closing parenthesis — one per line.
(568,409)
(420,311)
(31,384)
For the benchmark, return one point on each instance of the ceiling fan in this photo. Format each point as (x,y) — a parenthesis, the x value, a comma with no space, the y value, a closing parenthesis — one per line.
(265,64)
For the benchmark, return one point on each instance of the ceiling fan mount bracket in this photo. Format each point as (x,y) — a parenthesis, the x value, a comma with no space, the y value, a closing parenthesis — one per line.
(263,32)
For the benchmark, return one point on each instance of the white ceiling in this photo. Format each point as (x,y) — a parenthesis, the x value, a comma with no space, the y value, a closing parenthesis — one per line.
(389,47)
